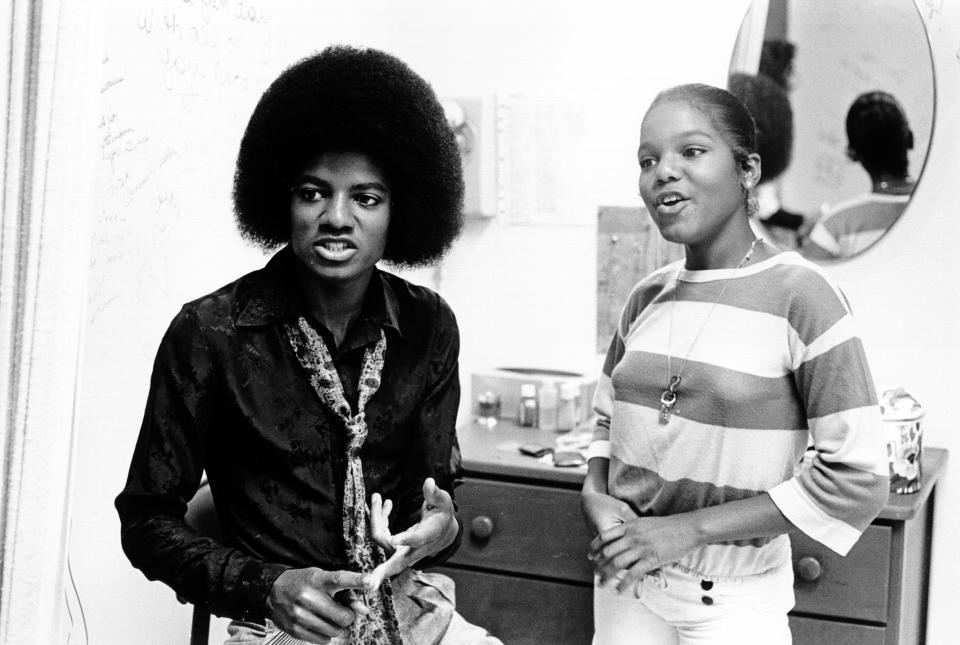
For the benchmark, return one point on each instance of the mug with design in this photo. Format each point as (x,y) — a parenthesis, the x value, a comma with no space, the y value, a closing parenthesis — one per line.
(902,415)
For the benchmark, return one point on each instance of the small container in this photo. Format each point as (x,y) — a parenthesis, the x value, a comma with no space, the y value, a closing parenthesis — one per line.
(901,422)
(568,408)
(488,408)
(527,411)
(547,399)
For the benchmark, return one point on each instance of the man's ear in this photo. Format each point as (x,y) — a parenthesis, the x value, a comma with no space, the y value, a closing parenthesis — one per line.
(852,154)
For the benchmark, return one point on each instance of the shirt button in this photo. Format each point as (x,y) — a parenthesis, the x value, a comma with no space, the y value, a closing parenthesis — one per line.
(706,585)
(707,600)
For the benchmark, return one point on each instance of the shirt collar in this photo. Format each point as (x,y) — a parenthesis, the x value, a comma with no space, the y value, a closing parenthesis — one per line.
(271,294)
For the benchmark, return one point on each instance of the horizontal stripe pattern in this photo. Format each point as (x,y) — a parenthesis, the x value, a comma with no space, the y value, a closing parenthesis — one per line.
(836,381)
(754,459)
(651,494)
(797,507)
(855,224)
(738,557)
(854,437)
(866,213)
(712,394)
(774,364)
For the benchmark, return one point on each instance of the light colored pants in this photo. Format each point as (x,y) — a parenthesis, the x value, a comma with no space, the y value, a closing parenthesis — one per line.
(425,606)
(678,607)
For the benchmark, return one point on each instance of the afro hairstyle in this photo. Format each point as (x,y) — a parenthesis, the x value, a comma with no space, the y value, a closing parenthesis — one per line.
(347,99)
(769,105)
(776,61)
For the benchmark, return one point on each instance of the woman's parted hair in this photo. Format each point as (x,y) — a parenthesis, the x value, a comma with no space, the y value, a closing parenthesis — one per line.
(726,112)
(347,99)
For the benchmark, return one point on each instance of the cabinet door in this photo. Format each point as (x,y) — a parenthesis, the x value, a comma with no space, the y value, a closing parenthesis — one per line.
(522,611)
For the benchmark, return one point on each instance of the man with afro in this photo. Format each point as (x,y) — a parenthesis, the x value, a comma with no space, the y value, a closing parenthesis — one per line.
(319,393)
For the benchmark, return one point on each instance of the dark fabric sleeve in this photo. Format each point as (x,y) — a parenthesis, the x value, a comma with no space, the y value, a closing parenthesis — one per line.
(436,451)
(164,474)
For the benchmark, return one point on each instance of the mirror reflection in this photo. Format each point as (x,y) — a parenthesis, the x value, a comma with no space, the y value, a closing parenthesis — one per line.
(843,96)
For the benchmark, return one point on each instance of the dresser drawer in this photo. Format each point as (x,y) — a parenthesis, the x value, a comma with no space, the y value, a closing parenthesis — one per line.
(517,528)
(853,587)
(810,631)
(523,611)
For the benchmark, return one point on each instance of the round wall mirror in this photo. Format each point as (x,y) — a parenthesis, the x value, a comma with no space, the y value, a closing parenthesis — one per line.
(843,96)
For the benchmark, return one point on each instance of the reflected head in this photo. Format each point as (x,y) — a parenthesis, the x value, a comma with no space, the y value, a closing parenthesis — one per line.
(878,134)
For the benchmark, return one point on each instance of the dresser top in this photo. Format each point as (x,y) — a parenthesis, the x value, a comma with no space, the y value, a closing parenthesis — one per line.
(494,452)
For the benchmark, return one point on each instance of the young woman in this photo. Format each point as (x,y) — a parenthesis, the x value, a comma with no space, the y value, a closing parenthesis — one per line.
(724,365)
(301,386)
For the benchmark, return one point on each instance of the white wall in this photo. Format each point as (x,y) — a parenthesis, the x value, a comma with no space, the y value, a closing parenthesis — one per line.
(907,302)
(526,294)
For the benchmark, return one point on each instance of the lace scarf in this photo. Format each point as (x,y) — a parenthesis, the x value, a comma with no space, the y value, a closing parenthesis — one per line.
(380,626)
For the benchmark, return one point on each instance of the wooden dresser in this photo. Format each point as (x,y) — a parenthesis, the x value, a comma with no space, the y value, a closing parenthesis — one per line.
(522,570)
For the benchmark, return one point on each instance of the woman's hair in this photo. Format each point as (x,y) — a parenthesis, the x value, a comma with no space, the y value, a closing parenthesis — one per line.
(879,134)
(769,105)
(725,111)
(346,99)
(727,114)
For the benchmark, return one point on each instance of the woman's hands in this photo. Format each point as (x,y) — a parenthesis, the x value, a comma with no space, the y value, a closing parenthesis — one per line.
(602,511)
(624,553)
(436,530)
(628,547)
(304,602)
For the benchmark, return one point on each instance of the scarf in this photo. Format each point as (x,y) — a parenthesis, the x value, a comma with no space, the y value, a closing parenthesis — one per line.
(380,626)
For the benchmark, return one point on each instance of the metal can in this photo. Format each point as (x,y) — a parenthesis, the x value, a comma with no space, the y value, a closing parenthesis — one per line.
(902,415)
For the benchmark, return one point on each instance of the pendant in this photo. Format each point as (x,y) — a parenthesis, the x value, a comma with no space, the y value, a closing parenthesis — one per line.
(668,399)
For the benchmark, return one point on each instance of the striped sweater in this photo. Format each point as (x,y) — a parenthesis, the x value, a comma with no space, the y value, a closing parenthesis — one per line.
(777,365)
(851,226)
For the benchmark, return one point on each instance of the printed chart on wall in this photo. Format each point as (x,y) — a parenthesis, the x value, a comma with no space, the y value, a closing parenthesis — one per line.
(540,143)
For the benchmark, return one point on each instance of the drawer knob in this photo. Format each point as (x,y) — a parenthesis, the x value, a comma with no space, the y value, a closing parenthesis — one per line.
(481,527)
(809,568)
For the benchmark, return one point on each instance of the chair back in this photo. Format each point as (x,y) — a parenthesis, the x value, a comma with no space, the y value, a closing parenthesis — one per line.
(202,516)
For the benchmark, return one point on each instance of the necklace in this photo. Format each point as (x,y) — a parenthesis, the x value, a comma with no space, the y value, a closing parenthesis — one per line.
(668,399)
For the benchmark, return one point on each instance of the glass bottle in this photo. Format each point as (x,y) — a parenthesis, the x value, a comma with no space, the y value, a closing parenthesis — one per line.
(547,406)
(527,413)
(567,407)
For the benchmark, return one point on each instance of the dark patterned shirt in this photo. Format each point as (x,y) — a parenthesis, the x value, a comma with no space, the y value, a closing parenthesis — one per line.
(227,396)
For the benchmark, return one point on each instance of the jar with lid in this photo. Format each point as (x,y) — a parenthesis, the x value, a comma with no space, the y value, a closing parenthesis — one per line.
(488,409)
(547,406)
(527,412)
(568,407)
